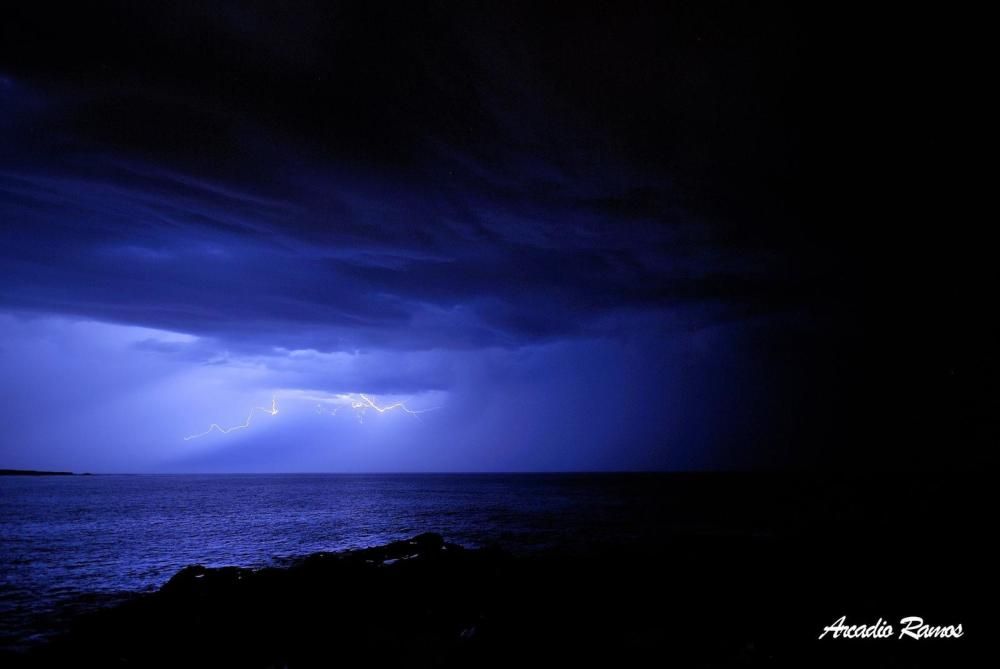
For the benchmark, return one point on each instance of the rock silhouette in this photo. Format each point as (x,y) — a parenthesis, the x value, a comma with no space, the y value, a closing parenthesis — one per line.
(699,599)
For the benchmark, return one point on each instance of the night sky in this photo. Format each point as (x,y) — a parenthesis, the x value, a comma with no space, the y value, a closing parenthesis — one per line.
(618,237)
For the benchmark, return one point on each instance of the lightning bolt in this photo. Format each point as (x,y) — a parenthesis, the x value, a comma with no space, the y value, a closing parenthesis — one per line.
(361,403)
(273,410)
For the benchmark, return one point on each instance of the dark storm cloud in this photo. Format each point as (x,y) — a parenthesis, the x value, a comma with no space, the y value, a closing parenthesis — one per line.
(499,203)
(428,182)
(392,176)
(184,256)
(407,189)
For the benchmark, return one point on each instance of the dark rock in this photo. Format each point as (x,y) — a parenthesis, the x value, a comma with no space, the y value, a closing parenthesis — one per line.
(700,601)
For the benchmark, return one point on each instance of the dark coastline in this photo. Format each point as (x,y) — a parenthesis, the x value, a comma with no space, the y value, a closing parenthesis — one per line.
(866,547)
(34,472)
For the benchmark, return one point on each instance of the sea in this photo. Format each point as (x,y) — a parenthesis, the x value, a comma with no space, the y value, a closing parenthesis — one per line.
(72,543)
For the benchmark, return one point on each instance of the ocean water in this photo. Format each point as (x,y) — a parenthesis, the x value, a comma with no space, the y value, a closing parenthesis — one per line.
(72,542)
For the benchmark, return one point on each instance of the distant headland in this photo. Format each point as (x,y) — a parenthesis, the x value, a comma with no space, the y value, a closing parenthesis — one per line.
(35,472)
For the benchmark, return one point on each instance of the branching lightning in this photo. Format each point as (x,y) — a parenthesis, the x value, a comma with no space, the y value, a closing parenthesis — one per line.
(361,403)
(273,410)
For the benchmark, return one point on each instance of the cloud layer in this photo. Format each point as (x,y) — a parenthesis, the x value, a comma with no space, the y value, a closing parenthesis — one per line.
(583,233)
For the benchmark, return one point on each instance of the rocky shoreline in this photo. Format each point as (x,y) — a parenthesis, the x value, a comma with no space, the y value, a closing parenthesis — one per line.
(701,600)
(417,602)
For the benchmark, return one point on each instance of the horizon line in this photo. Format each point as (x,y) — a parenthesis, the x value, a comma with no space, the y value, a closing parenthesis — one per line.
(380,473)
